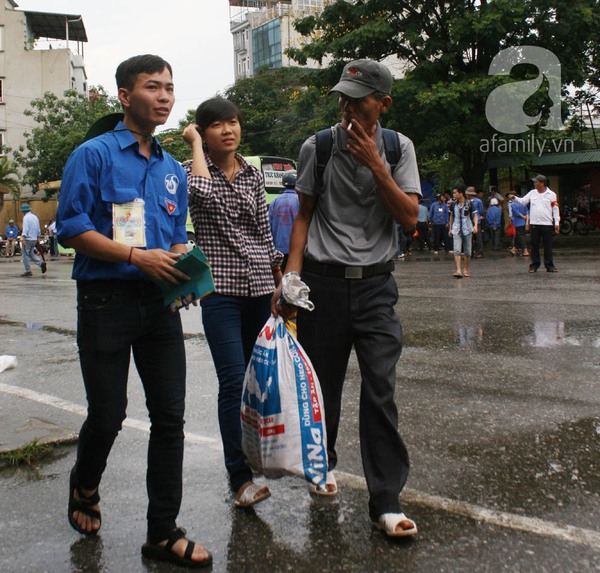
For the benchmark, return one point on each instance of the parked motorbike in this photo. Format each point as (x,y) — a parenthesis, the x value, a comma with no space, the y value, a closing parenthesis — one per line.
(44,244)
(17,247)
(567,220)
(584,222)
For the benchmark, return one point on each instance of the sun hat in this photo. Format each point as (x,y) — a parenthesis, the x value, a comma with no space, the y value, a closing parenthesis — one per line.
(25,207)
(11,221)
(363,77)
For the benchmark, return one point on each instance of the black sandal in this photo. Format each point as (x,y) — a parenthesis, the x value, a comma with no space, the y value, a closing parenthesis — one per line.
(82,505)
(160,553)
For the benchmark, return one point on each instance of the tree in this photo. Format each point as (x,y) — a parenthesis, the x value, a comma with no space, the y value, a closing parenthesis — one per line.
(281,108)
(440,103)
(61,126)
(9,178)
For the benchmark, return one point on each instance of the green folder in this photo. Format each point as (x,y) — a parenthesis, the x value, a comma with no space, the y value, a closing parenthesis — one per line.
(196,266)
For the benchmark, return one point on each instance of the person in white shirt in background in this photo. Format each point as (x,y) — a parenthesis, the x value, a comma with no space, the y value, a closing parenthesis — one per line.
(544,221)
(29,238)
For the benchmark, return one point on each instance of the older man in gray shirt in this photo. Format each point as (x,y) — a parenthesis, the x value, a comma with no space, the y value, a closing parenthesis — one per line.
(343,243)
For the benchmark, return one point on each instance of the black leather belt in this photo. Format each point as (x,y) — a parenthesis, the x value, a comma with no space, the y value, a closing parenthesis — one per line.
(353,272)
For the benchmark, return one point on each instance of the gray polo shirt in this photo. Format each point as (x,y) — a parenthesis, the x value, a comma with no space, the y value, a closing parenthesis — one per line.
(350,225)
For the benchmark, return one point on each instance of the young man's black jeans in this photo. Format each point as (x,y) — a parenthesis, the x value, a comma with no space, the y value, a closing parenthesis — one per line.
(114,318)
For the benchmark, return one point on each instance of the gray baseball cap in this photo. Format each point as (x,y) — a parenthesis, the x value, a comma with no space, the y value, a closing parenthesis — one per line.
(363,77)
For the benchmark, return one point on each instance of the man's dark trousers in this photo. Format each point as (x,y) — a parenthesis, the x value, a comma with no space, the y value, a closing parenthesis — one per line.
(543,234)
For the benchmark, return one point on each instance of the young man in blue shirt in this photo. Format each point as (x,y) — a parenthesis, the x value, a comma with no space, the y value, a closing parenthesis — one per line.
(123,209)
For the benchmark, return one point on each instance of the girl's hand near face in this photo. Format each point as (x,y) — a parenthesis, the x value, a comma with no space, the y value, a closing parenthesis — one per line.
(191,135)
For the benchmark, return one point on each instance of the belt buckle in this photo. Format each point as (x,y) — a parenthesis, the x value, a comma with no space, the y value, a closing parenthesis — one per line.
(353,272)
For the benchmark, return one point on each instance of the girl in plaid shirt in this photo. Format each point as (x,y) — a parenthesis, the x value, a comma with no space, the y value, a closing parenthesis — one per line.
(229,213)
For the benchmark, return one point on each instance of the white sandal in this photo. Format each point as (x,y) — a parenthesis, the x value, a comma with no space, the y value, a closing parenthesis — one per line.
(389,522)
(329,489)
(251,494)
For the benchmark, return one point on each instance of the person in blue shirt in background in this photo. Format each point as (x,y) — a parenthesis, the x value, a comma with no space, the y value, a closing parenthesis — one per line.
(478,207)
(519,215)
(124,175)
(12,232)
(282,212)
(439,217)
(493,216)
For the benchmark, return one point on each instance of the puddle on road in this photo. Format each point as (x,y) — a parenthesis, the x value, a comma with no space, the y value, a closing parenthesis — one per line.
(498,336)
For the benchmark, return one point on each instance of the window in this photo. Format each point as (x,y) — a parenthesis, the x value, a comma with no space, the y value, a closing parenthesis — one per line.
(266,45)
(2,154)
(310,5)
(1,90)
(1,38)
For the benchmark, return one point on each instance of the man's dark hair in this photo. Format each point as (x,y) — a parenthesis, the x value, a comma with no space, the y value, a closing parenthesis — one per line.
(460,189)
(130,69)
(217,109)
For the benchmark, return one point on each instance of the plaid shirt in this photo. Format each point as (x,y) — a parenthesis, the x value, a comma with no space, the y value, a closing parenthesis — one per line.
(232,229)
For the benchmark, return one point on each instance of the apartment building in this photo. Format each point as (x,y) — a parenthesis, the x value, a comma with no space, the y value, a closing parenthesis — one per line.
(39,52)
(262,30)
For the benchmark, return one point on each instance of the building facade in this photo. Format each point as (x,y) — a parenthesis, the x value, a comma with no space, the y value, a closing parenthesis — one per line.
(263,29)
(39,52)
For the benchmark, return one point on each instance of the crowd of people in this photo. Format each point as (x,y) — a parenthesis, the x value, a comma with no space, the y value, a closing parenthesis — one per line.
(482,220)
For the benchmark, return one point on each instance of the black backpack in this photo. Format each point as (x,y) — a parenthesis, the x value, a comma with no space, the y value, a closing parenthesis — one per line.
(324,146)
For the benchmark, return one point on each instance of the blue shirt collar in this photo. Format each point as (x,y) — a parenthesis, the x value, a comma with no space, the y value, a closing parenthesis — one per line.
(126,139)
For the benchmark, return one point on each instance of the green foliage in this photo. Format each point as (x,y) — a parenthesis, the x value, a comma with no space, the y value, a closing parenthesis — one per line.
(448,47)
(61,124)
(281,108)
(9,178)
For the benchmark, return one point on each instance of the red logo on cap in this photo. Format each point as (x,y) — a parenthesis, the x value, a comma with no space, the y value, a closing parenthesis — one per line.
(354,72)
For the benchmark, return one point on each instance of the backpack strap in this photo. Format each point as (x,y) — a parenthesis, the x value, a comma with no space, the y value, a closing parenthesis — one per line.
(324,147)
(391,145)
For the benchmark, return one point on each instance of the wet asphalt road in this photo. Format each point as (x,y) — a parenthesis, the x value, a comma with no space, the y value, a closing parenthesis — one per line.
(499,394)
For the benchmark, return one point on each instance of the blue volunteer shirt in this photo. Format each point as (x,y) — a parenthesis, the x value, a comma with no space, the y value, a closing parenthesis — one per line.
(438,213)
(493,216)
(517,211)
(108,170)
(12,232)
(478,206)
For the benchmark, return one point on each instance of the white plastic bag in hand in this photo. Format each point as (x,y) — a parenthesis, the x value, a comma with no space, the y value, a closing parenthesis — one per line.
(294,291)
(283,424)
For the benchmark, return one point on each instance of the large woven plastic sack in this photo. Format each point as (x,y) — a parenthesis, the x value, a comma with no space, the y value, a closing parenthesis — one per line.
(283,425)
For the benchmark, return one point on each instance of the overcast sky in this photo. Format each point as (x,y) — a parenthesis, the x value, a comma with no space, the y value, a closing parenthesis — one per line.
(192,35)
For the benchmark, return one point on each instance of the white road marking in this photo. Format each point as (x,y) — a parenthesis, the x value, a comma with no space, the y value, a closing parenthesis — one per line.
(512,521)
(73,408)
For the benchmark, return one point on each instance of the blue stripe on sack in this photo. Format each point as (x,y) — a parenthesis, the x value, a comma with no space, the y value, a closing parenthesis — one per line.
(314,460)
